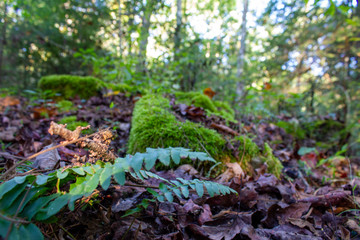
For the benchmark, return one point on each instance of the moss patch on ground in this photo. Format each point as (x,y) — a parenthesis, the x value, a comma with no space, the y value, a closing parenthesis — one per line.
(199,99)
(71,124)
(120,87)
(153,125)
(250,154)
(70,86)
(248,151)
(274,164)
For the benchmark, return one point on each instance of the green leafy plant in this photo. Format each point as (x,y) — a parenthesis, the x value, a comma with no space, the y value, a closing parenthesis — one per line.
(29,199)
(65,106)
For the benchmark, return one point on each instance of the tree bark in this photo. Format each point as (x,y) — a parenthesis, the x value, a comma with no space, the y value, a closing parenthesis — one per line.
(120,31)
(3,43)
(240,86)
(144,35)
(177,36)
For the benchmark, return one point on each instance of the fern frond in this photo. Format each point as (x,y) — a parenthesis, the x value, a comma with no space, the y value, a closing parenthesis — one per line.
(33,192)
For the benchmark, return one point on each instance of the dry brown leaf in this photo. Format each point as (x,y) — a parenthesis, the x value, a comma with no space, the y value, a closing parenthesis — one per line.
(234,170)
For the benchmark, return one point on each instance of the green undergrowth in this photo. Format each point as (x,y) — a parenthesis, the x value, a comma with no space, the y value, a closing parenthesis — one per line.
(70,86)
(250,153)
(273,163)
(65,106)
(28,200)
(153,125)
(71,124)
(121,87)
(328,133)
(199,99)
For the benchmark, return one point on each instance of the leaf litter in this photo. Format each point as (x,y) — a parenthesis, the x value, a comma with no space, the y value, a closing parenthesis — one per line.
(298,206)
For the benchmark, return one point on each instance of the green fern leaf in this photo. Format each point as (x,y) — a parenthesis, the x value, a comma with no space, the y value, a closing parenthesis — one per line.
(199,188)
(78,170)
(105,176)
(93,182)
(20,180)
(56,205)
(61,175)
(164,156)
(42,179)
(31,209)
(137,161)
(7,186)
(12,195)
(151,157)
(175,155)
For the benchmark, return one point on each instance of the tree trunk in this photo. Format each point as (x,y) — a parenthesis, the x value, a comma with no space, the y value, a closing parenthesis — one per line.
(177,35)
(3,43)
(240,86)
(120,31)
(144,34)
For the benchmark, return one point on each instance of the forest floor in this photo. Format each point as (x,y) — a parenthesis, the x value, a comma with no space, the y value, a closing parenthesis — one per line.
(316,202)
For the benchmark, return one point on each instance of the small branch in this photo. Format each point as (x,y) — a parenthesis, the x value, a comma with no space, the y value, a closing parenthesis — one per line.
(142,186)
(67,232)
(13,220)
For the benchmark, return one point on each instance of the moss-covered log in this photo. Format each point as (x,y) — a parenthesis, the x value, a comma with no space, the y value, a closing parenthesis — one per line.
(153,125)
(70,86)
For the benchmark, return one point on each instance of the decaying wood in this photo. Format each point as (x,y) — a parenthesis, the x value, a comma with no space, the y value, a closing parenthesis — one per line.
(62,131)
(99,145)
(224,128)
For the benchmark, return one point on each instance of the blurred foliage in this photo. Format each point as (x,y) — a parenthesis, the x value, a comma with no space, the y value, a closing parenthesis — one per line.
(69,86)
(301,59)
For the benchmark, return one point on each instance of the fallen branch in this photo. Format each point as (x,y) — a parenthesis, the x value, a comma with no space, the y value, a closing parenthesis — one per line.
(99,146)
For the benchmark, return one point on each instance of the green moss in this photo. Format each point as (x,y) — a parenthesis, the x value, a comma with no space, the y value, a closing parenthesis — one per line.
(204,101)
(120,87)
(250,156)
(248,151)
(153,125)
(186,97)
(199,99)
(274,164)
(65,106)
(71,124)
(70,86)
(225,108)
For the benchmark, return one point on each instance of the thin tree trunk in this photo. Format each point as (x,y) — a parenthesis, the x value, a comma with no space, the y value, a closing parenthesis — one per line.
(144,34)
(120,31)
(177,41)
(3,43)
(177,36)
(240,86)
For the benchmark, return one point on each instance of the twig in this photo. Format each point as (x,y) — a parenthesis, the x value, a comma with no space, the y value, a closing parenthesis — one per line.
(13,219)
(5,154)
(66,231)
(41,152)
(243,153)
(143,186)
(127,231)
